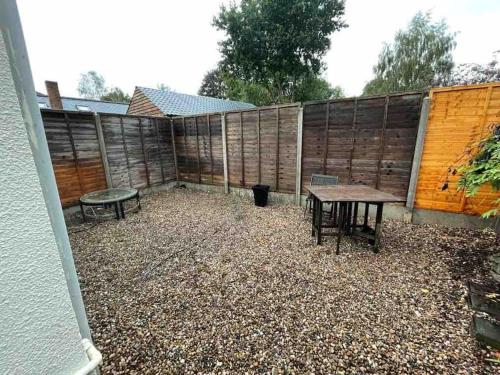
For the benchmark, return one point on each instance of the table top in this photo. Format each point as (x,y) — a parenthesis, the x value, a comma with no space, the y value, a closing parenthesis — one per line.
(108,195)
(351,193)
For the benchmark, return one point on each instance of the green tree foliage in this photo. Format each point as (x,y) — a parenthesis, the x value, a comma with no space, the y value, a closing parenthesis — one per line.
(117,95)
(218,84)
(272,46)
(418,58)
(91,85)
(213,84)
(468,74)
(483,168)
(238,89)
(317,88)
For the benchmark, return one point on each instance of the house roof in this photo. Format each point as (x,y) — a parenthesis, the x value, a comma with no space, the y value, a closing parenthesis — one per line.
(174,103)
(70,104)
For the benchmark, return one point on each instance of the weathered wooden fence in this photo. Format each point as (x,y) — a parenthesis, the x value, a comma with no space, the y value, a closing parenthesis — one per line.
(198,147)
(367,140)
(362,140)
(139,150)
(261,147)
(76,157)
(92,152)
(459,117)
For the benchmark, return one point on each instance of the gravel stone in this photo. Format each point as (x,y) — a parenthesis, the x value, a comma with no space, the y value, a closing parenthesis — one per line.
(208,283)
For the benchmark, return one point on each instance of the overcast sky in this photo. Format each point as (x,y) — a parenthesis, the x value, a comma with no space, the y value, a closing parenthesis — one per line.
(143,43)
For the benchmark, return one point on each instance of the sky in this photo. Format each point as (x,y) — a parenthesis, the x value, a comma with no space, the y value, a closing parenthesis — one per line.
(147,42)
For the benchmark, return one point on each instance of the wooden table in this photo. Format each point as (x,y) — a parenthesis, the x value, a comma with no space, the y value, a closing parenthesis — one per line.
(346,199)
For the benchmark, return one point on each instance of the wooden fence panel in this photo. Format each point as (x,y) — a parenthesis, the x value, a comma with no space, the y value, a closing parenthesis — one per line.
(287,148)
(139,150)
(250,147)
(75,154)
(362,140)
(167,154)
(394,172)
(191,146)
(459,117)
(204,150)
(216,142)
(116,150)
(261,148)
(268,150)
(234,150)
(198,142)
(180,148)
(132,136)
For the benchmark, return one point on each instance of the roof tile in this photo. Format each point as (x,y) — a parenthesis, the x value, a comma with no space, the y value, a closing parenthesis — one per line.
(174,103)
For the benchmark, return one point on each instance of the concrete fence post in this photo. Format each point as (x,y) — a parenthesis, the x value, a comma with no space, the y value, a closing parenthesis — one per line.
(224,152)
(298,168)
(417,156)
(102,148)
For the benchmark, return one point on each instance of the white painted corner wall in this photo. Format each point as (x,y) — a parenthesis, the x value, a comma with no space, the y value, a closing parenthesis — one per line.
(38,327)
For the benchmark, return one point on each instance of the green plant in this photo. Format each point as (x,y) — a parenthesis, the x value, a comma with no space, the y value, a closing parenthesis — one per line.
(483,168)
(419,57)
(275,45)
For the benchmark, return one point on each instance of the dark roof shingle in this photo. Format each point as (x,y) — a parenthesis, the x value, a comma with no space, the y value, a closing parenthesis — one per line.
(174,103)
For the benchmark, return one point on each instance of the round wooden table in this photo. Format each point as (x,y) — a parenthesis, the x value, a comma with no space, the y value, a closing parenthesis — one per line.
(110,197)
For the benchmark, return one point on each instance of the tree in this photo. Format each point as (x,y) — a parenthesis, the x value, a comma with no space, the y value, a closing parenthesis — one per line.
(418,58)
(468,74)
(238,89)
(213,84)
(317,88)
(276,44)
(115,94)
(91,85)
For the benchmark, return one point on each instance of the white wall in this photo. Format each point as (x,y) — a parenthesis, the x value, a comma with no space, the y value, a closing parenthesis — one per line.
(39,333)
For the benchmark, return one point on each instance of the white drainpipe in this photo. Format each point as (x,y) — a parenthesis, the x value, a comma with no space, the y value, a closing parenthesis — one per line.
(95,358)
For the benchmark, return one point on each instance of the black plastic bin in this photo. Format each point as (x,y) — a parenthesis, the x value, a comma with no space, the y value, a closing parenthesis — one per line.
(260,193)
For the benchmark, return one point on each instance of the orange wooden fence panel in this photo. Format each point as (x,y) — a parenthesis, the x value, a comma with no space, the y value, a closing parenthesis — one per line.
(459,117)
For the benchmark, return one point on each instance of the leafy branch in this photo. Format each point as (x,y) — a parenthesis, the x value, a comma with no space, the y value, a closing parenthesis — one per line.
(482,168)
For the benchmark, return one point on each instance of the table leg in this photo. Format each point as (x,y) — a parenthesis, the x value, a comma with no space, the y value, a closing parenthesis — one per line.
(138,201)
(313,218)
(122,211)
(341,225)
(83,212)
(355,215)
(117,211)
(378,226)
(335,209)
(348,228)
(365,221)
(319,222)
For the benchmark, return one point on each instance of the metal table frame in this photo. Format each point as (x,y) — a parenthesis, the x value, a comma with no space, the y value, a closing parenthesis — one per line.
(119,210)
(345,220)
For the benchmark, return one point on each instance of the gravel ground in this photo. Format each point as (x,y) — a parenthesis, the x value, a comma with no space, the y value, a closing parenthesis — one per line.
(207,283)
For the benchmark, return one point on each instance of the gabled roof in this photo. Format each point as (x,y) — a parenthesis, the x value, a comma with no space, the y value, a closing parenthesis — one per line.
(174,103)
(70,104)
